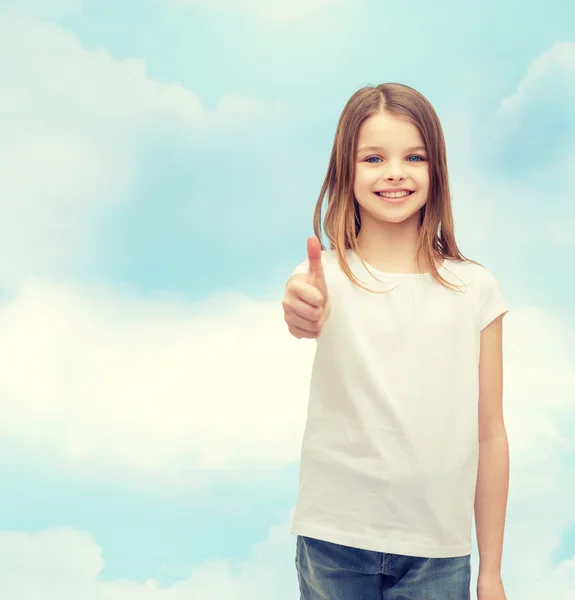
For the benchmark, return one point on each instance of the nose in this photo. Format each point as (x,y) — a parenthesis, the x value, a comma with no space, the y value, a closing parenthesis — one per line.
(393,172)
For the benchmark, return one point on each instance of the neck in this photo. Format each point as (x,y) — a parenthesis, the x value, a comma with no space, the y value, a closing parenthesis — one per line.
(391,247)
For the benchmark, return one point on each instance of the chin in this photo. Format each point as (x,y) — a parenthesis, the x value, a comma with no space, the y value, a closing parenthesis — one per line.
(397,217)
(391,214)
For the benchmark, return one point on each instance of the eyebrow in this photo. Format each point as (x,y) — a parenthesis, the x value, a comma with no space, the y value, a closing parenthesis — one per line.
(412,149)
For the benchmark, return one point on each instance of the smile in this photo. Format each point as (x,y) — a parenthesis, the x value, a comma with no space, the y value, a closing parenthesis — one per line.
(394,197)
(393,194)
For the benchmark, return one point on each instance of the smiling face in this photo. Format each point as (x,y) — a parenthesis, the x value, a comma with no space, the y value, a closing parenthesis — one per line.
(390,156)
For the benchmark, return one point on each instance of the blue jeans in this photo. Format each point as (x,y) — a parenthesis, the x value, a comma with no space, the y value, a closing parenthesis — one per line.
(329,571)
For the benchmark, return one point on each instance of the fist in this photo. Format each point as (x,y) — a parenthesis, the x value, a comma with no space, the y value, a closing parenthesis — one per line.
(306,302)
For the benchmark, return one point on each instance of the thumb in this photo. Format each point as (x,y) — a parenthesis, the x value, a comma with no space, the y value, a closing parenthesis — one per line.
(315,272)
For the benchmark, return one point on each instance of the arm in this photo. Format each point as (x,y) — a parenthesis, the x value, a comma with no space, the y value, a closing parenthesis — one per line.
(493,475)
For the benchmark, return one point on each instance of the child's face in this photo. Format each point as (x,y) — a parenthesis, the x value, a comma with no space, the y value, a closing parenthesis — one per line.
(395,164)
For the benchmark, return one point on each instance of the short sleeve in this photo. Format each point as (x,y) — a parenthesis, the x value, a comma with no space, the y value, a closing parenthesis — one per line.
(491,301)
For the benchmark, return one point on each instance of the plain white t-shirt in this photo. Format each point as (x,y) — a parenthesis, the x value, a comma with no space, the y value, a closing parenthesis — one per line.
(390,450)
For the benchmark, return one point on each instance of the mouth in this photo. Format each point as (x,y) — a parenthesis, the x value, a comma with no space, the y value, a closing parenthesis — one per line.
(395,197)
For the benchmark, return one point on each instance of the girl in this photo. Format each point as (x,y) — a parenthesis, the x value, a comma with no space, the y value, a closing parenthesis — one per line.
(405,434)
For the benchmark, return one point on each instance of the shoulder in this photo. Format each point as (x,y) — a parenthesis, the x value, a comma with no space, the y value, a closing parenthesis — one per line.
(484,290)
(329,262)
(470,273)
(327,257)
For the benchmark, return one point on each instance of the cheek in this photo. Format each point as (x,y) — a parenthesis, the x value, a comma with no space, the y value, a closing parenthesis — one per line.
(425,178)
(363,179)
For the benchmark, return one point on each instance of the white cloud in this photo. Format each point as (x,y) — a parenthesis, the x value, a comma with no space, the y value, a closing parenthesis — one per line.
(65,564)
(70,121)
(272,11)
(552,71)
(530,141)
(54,82)
(144,383)
(105,376)
(74,125)
(536,123)
(63,556)
(120,382)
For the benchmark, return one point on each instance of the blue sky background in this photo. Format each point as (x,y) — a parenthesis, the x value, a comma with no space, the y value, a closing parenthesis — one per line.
(159,166)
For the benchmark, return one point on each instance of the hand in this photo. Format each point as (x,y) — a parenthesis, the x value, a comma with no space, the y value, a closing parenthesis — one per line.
(306,303)
(490,587)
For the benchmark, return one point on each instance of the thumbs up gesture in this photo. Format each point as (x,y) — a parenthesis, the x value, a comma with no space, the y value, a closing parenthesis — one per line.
(306,302)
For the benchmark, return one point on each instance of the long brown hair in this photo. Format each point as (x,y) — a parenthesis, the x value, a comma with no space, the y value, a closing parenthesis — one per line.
(342,221)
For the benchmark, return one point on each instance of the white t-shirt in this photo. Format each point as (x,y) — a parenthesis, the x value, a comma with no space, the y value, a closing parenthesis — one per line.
(390,450)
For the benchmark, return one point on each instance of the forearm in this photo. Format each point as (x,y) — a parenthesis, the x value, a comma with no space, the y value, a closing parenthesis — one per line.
(491,502)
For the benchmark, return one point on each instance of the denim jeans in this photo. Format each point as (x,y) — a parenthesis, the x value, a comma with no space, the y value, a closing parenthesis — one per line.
(329,571)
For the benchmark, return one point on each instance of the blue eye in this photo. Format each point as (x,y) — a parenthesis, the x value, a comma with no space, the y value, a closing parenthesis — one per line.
(420,158)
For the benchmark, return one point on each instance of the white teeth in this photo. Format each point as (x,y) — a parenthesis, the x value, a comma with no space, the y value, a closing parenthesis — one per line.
(393,194)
